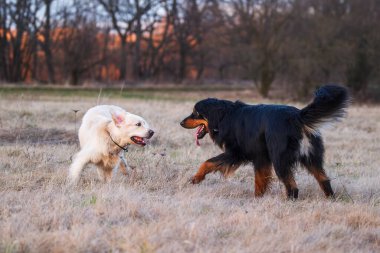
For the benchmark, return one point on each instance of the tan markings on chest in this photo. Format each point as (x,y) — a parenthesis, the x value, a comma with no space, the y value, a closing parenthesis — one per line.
(108,162)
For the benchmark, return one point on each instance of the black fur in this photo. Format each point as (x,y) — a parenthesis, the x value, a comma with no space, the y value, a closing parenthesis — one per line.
(268,135)
(329,104)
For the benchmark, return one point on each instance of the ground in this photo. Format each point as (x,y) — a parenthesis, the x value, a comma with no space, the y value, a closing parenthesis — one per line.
(154,208)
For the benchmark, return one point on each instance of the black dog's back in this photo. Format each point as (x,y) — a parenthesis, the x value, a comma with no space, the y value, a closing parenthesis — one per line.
(247,130)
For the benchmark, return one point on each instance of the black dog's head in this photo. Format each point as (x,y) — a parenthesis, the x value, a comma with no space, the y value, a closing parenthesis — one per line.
(207,114)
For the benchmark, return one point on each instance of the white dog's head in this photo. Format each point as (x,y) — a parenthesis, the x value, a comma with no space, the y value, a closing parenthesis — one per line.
(128,128)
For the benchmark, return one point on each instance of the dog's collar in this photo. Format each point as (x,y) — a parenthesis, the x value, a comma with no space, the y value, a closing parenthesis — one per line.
(123,148)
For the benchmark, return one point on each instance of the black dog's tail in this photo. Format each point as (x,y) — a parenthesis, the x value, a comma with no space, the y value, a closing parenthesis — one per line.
(329,105)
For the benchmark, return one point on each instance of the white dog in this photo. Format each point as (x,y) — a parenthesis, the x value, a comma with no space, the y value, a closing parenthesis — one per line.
(105,132)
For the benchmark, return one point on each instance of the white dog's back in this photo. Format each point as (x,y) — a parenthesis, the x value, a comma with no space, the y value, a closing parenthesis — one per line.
(94,122)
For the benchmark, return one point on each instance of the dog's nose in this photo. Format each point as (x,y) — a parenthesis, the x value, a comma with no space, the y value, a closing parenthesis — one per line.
(182,123)
(151,132)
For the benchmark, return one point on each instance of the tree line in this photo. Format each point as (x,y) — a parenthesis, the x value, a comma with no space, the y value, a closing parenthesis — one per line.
(299,43)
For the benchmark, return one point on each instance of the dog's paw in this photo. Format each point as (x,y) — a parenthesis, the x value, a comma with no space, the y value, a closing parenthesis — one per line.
(196,179)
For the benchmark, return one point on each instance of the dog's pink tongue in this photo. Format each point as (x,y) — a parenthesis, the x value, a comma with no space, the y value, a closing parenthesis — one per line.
(196,135)
(197,141)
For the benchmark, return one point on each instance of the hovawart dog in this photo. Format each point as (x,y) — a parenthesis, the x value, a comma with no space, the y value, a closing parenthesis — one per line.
(105,132)
(267,136)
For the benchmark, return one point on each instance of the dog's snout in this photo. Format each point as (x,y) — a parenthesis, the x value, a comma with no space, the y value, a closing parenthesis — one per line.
(151,132)
(182,123)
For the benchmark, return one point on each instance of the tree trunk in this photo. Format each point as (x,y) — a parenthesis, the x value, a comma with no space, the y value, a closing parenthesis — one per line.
(74,77)
(182,62)
(358,76)
(34,66)
(16,64)
(266,78)
(136,58)
(200,67)
(47,44)
(123,59)
(4,74)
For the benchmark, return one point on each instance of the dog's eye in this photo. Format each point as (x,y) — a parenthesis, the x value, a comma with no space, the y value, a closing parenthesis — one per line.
(138,124)
(196,114)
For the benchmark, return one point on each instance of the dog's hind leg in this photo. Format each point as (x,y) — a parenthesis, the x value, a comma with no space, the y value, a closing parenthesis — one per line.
(105,174)
(316,169)
(291,186)
(223,163)
(80,160)
(313,161)
(101,174)
(323,180)
(108,175)
(283,166)
(283,152)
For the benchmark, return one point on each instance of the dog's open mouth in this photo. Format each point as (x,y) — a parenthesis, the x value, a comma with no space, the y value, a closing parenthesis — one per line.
(138,140)
(200,133)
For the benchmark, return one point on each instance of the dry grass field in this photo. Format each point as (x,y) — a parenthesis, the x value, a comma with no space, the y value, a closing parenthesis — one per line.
(154,208)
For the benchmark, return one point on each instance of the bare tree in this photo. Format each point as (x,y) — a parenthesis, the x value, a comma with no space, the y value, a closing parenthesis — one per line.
(126,19)
(4,43)
(16,17)
(299,43)
(363,68)
(259,26)
(157,38)
(189,33)
(79,43)
(46,43)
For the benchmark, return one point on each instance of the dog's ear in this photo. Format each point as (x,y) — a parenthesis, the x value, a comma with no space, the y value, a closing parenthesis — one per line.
(118,119)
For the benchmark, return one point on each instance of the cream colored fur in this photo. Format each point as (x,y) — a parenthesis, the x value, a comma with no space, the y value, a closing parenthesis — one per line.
(99,125)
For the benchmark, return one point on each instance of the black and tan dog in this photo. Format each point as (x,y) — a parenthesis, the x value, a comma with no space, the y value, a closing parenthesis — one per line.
(266,135)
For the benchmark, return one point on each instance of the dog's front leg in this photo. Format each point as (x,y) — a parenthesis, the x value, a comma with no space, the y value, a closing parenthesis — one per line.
(222,163)
(203,170)
(123,164)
